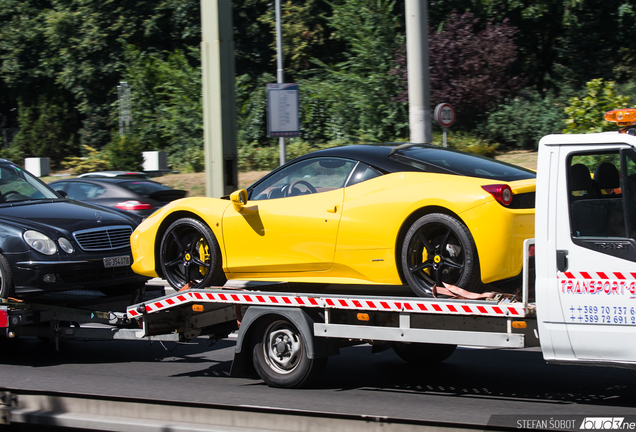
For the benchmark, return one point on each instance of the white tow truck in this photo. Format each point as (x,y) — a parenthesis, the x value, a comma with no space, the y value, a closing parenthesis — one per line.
(577,302)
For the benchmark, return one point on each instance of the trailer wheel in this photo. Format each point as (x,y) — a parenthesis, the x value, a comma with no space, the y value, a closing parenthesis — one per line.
(6,278)
(189,253)
(280,356)
(423,353)
(439,248)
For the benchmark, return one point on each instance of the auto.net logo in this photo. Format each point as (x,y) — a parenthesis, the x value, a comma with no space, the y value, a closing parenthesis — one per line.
(569,423)
(607,423)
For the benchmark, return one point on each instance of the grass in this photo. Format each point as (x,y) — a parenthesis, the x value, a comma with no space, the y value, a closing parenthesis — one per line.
(195,183)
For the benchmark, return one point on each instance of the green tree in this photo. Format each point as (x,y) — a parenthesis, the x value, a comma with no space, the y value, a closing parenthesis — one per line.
(586,114)
(47,129)
(167,105)
(360,91)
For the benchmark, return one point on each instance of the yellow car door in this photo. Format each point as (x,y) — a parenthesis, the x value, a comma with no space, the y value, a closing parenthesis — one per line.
(290,223)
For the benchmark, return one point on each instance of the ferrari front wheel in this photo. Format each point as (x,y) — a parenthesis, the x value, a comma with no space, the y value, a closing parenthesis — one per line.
(190,255)
(439,249)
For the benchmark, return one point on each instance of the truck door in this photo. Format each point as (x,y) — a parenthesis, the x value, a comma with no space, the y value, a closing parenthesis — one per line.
(596,252)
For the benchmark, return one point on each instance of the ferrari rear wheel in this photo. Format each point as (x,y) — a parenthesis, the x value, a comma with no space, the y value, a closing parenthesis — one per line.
(6,278)
(190,254)
(439,249)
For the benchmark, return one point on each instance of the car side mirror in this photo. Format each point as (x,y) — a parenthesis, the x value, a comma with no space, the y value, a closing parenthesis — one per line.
(239,199)
(63,193)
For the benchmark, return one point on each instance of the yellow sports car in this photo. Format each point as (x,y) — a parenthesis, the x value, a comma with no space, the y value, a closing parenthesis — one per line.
(390,214)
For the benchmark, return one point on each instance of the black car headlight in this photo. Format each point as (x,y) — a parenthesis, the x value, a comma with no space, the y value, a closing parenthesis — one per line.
(40,242)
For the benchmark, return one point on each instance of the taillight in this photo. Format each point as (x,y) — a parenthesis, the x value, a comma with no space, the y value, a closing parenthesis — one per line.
(4,319)
(133,205)
(501,192)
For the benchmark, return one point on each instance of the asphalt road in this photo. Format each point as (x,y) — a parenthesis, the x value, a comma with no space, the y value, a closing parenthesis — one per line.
(470,387)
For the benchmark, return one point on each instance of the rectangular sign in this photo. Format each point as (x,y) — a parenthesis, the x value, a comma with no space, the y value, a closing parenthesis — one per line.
(282,110)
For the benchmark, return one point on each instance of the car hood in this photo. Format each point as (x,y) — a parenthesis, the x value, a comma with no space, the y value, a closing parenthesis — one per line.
(64,215)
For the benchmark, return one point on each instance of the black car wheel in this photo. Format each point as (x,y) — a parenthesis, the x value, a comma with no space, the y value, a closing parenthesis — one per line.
(423,353)
(6,278)
(189,253)
(280,356)
(438,248)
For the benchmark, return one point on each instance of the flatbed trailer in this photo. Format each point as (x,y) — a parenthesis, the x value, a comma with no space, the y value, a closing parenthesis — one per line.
(286,337)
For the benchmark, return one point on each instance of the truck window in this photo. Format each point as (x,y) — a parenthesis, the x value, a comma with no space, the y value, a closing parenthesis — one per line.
(602,199)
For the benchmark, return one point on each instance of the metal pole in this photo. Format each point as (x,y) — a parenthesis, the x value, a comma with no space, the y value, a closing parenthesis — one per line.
(417,68)
(279,71)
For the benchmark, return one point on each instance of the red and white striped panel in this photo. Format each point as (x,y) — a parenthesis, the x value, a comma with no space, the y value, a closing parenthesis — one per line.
(599,275)
(485,308)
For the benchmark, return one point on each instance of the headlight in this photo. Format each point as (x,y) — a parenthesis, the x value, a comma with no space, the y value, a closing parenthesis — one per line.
(66,245)
(40,242)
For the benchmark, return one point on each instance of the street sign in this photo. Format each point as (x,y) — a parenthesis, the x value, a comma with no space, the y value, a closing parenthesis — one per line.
(444,115)
(282,104)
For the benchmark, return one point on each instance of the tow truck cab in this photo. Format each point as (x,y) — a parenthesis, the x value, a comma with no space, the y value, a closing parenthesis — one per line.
(586,249)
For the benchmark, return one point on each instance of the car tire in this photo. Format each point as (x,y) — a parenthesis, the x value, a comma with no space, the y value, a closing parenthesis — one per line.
(423,353)
(280,356)
(189,254)
(437,249)
(6,278)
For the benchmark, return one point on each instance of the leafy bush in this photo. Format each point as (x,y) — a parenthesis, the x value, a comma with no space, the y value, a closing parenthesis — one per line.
(254,157)
(94,161)
(586,114)
(523,121)
(469,143)
(123,153)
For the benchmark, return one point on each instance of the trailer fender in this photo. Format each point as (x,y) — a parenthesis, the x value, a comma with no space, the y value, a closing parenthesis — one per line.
(242,364)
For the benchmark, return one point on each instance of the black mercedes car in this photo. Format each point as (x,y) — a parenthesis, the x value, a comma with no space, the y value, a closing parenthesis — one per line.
(50,243)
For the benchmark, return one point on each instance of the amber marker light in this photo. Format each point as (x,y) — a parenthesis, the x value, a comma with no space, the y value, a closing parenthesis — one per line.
(519,324)
(197,308)
(622,117)
(363,317)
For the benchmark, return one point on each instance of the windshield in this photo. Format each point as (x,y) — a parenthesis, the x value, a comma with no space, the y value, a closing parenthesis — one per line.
(17,184)
(438,159)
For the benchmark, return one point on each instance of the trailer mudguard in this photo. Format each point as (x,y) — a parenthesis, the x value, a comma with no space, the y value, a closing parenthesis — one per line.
(242,364)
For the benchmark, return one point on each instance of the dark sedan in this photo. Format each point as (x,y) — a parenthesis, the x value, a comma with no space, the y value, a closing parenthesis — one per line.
(142,197)
(50,243)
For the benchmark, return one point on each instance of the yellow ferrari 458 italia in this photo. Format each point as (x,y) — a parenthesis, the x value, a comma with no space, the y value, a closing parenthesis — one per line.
(390,214)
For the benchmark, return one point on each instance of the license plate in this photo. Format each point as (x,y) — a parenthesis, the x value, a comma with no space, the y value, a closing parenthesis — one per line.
(121,261)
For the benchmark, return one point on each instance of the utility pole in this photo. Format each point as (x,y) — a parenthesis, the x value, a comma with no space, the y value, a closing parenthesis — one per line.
(280,79)
(417,69)
(219,117)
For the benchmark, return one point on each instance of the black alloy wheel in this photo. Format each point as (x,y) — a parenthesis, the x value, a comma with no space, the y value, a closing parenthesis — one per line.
(439,249)
(190,254)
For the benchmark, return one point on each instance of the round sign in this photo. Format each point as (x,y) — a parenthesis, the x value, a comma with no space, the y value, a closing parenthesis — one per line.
(444,114)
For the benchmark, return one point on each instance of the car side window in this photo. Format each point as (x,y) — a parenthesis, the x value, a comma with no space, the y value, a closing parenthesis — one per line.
(305,177)
(361,173)
(83,191)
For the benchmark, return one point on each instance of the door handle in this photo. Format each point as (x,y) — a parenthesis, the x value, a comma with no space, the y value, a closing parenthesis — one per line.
(562,260)
(333,209)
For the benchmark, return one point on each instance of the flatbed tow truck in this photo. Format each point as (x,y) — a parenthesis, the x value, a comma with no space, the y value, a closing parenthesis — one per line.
(577,301)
